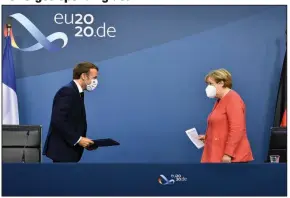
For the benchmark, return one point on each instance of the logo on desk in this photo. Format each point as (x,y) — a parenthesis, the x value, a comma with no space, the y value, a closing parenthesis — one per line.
(164,181)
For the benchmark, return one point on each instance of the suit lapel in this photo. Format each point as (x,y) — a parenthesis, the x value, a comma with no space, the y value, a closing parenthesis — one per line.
(81,100)
(74,86)
(83,106)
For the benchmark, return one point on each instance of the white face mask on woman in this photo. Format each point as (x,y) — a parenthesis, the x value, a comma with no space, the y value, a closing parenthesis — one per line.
(210,91)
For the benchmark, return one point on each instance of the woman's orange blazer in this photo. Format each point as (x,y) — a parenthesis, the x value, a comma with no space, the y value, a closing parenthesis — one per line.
(226,132)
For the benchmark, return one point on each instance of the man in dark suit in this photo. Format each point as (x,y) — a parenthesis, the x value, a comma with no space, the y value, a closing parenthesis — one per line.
(66,138)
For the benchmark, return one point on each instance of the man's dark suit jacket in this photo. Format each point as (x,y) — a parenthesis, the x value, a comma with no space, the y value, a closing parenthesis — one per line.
(68,123)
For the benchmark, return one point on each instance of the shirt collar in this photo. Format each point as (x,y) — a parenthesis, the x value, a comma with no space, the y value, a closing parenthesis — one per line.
(79,87)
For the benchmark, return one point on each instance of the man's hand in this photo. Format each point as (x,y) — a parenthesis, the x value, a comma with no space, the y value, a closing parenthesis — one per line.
(201,137)
(226,159)
(85,142)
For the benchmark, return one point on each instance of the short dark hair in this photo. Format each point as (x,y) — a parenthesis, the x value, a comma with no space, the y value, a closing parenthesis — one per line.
(81,68)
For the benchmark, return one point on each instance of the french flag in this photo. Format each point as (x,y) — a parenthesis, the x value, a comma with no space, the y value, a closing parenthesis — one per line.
(10,102)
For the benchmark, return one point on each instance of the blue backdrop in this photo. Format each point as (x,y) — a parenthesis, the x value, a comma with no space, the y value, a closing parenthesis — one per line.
(151,80)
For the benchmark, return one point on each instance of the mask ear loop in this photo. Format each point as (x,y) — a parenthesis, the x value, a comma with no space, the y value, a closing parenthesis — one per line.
(84,79)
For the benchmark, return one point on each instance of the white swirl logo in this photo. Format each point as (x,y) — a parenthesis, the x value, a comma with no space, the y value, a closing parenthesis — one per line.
(43,42)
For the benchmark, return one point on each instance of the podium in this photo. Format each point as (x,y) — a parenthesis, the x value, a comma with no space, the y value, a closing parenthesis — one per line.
(278,144)
(21,143)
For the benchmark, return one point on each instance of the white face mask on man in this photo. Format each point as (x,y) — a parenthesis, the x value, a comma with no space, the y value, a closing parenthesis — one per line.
(92,85)
(210,91)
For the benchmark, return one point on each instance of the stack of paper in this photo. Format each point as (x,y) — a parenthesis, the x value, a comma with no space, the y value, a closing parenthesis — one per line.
(193,136)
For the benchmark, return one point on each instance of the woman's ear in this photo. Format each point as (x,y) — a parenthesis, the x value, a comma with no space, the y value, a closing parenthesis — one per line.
(222,83)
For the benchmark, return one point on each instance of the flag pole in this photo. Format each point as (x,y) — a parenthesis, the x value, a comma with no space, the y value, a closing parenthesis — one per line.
(8,25)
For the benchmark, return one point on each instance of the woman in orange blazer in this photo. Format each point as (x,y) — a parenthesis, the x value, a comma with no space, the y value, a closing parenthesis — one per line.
(226,136)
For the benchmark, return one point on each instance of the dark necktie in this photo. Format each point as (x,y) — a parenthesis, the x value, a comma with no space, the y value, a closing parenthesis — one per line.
(82,95)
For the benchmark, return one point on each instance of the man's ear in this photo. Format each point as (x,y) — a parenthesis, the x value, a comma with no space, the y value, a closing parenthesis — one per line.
(82,77)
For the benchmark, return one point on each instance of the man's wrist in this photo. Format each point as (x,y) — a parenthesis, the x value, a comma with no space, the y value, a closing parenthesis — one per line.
(78,140)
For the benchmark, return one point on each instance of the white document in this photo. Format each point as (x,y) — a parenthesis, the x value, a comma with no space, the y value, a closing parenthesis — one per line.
(193,136)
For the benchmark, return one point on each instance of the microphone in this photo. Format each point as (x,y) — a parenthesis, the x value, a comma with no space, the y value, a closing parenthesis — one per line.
(24,148)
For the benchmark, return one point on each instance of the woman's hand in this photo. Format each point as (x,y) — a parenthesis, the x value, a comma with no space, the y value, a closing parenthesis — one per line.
(202,138)
(226,159)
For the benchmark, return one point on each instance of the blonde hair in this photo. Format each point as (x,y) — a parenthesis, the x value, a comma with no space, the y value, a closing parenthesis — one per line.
(220,75)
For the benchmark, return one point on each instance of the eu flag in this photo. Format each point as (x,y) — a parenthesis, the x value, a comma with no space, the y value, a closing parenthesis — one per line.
(10,102)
